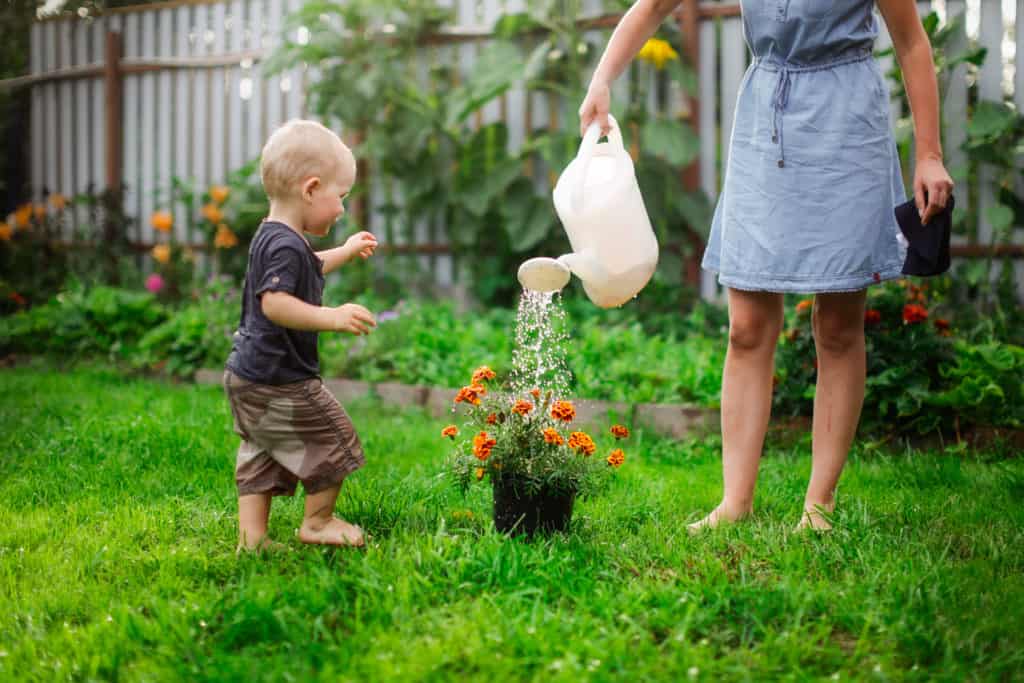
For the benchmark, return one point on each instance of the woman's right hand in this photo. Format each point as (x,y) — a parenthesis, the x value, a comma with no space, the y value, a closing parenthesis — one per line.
(595,107)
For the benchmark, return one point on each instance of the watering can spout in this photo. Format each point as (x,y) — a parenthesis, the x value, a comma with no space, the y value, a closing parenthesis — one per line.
(585,267)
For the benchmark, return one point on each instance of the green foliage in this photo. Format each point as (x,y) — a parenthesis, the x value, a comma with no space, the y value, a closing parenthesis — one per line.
(439,166)
(920,377)
(197,336)
(102,321)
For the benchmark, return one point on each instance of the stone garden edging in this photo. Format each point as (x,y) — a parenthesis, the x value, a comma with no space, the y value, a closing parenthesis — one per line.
(677,420)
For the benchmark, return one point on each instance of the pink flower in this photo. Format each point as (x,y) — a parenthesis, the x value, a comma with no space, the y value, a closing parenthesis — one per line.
(155,283)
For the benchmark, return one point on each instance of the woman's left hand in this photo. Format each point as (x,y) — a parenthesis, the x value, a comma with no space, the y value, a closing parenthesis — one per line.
(932,188)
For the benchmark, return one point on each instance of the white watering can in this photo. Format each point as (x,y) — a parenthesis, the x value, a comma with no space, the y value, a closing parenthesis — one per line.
(598,200)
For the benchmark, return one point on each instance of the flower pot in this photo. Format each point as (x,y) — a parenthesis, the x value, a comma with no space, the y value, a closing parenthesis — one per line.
(518,512)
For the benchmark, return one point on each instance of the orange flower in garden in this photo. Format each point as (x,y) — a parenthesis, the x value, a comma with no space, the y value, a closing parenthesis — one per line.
(581,441)
(616,457)
(535,393)
(872,317)
(914,313)
(942,325)
(551,436)
(479,473)
(620,432)
(482,374)
(5,232)
(564,411)
(162,221)
(212,213)
(804,305)
(161,253)
(492,419)
(23,216)
(219,193)
(58,201)
(482,445)
(522,407)
(451,431)
(39,212)
(224,239)
(470,394)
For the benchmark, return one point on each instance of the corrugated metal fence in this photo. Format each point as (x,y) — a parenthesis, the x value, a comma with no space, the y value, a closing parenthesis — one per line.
(196,104)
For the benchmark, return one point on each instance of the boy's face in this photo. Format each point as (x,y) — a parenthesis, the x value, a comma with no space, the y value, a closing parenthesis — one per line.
(326,204)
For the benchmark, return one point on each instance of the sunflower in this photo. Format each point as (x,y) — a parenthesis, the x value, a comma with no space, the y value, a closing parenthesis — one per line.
(657,52)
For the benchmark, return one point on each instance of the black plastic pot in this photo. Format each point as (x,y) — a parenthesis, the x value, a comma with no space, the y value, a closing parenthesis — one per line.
(517,512)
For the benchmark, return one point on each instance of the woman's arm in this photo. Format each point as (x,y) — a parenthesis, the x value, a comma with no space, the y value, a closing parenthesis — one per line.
(636,26)
(932,184)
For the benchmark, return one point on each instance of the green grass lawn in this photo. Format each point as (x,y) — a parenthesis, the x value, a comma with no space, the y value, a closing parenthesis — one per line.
(117,534)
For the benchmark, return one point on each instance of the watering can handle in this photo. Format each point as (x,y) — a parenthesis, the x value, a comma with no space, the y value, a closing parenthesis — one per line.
(586,154)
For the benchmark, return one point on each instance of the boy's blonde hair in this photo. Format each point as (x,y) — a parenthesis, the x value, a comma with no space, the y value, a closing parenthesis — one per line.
(300,149)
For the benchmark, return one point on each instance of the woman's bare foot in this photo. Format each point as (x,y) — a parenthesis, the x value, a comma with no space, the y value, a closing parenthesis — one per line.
(263,546)
(335,532)
(817,518)
(720,515)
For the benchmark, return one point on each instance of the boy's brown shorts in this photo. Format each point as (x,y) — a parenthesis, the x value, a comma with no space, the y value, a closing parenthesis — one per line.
(290,433)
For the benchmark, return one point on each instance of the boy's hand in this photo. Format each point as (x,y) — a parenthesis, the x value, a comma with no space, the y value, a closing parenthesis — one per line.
(362,243)
(352,318)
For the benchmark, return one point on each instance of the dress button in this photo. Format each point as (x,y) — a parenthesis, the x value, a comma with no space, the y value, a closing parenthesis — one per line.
(781,163)
(775,138)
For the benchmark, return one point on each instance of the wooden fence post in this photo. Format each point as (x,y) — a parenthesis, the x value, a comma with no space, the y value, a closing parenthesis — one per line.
(688,19)
(112,110)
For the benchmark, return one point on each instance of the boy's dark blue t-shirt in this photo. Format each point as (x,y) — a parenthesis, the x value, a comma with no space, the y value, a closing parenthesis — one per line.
(281,260)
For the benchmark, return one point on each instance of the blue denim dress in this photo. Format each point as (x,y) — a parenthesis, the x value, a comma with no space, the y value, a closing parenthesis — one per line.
(813,174)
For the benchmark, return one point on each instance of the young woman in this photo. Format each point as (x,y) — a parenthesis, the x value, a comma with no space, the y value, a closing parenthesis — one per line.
(807,206)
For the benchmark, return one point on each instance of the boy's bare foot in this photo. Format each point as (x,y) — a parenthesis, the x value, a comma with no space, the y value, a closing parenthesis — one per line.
(817,518)
(720,515)
(263,546)
(335,532)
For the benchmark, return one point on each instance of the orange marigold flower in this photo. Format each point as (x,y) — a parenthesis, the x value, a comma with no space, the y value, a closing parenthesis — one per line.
(482,445)
(620,432)
(219,193)
(482,374)
(535,393)
(470,394)
(564,411)
(522,407)
(914,313)
(942,325)
(451,431)
(552,436)
(212,213)
(39,212)
(162,221)
(58,201)
(479,473)
(23,216)
(581,441)
(225,239)
(5,232)
(872,317)
(616,457)
(161,253)
(804,305)
(492,419)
